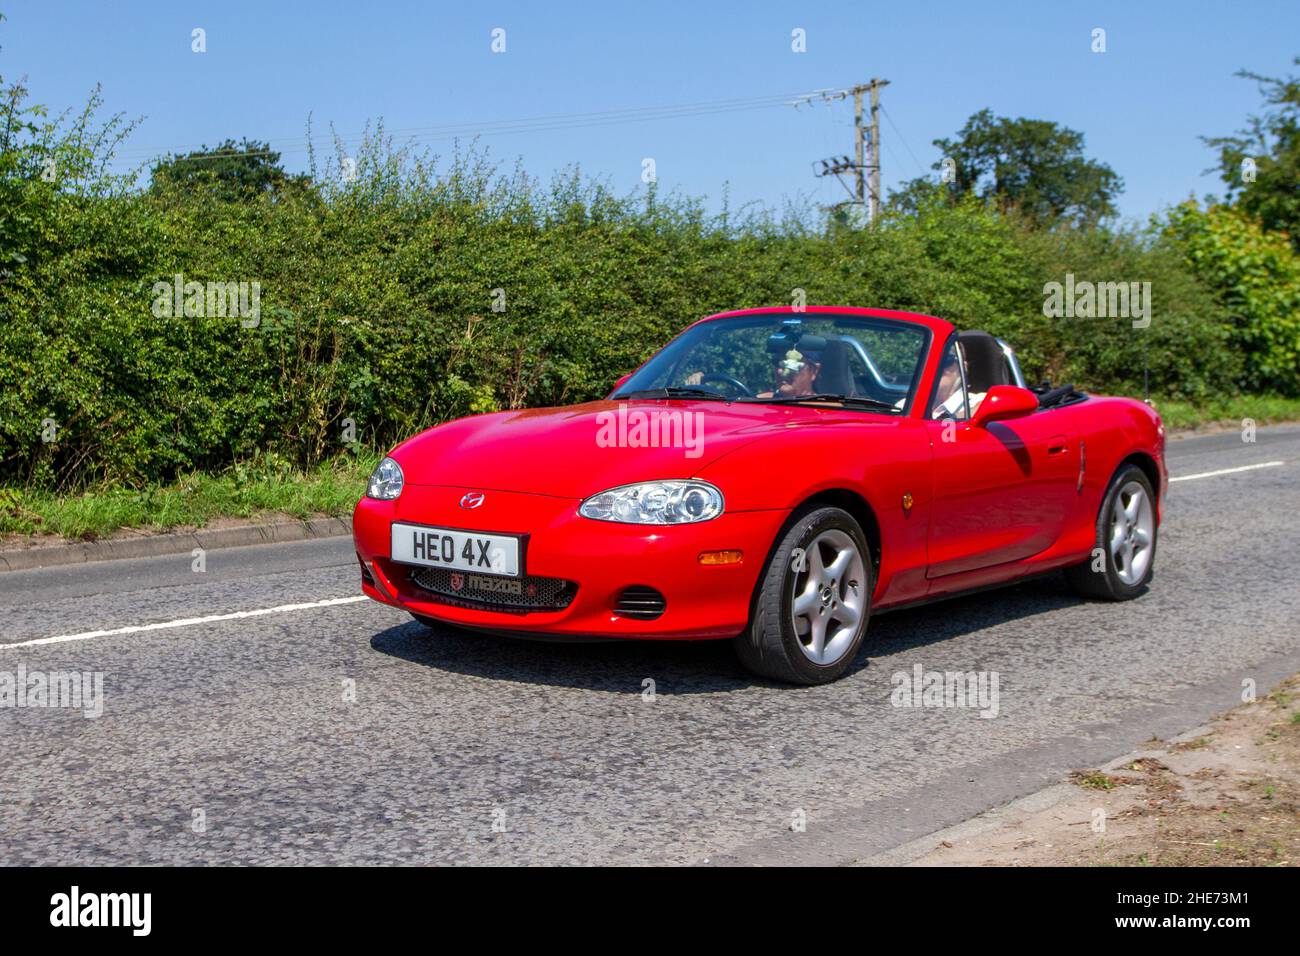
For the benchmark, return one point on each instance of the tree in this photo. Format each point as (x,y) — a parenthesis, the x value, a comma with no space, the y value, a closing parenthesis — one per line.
(1255,275)
(1034,166)
(236,171)
(1261,164)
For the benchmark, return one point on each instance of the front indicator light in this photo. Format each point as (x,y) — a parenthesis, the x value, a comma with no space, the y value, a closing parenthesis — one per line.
(721,557)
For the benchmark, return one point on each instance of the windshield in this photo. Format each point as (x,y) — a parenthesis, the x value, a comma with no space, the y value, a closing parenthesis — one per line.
(868,362)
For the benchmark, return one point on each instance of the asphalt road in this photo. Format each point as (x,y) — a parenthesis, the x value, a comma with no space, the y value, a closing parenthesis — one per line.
(233,741)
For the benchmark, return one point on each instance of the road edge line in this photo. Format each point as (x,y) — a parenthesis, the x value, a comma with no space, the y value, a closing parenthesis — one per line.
(148,546)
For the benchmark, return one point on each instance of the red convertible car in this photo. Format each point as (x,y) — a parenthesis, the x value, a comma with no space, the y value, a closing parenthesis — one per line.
(770,477)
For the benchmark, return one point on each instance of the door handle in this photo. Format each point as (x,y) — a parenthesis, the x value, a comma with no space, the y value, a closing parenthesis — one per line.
(1058,445)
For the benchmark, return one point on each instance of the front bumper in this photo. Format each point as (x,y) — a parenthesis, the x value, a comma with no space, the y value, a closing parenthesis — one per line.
(601,558)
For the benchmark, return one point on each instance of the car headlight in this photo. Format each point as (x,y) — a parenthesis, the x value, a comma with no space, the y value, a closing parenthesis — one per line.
(385,481)
(655,502)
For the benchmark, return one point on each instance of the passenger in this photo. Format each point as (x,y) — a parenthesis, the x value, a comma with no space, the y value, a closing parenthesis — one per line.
(949,398)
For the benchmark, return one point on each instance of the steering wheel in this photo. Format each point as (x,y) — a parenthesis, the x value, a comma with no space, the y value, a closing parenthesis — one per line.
(735,383)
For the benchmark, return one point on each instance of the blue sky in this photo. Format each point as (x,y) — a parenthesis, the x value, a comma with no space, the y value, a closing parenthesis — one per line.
(1165,78)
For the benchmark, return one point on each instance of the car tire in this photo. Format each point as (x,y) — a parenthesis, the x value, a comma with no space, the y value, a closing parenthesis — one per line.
(1124,550)
(806,634)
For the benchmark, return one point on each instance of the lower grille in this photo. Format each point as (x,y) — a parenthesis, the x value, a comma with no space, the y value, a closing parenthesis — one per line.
(640,602)
(528,593)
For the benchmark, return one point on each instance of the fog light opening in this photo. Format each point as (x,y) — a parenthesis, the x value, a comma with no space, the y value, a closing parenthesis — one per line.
(640,602)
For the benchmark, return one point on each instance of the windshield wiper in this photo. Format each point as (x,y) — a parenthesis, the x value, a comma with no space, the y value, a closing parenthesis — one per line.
(675,391)
(853,401)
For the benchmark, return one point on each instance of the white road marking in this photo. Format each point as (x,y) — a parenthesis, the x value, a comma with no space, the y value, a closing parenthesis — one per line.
(185,622)
(1227,471)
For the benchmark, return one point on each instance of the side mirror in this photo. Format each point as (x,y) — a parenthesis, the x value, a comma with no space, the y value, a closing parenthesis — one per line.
(1002,402)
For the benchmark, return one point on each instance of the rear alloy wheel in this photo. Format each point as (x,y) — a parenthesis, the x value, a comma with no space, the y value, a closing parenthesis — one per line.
(1123,560)
(811,610)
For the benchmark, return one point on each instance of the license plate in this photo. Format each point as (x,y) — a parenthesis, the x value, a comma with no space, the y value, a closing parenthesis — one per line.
(458,550)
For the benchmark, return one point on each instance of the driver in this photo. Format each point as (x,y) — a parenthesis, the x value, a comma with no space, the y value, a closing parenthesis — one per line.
(794,376)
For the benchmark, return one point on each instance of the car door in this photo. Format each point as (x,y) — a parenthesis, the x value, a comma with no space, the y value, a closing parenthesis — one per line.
(1001,492)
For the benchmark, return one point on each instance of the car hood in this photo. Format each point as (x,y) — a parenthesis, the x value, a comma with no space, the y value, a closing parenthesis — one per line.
(578,450)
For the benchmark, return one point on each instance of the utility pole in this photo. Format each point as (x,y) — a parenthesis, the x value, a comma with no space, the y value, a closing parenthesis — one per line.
(875,149)
(865,163)
(857,141)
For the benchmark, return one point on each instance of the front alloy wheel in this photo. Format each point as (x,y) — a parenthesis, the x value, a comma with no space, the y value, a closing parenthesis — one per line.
(812,604)
(827,596)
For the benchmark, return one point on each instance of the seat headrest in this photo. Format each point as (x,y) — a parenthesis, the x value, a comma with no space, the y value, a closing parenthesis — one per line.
(986,366)
(835,376)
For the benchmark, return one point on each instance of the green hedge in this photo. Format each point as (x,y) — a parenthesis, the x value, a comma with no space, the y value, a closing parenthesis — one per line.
(377,307)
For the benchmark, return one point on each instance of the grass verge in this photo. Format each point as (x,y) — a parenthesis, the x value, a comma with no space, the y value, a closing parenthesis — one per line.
(247,491)
(1261,409)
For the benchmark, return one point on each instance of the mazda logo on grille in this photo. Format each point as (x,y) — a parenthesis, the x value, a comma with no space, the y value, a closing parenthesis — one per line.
(472,499)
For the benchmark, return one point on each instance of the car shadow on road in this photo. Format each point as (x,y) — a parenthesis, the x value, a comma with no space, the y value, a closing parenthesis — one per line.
(700,667)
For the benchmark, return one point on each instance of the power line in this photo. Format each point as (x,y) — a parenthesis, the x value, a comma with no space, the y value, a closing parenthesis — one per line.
(902,139)
(559,121)
(893,156)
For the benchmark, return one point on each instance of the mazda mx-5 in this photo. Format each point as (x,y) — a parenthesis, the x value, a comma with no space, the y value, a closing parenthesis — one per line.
(770,477)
